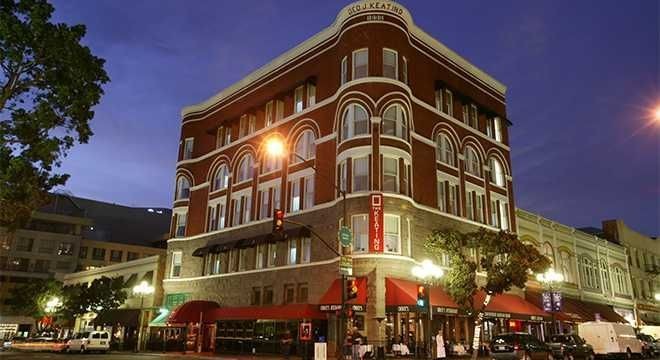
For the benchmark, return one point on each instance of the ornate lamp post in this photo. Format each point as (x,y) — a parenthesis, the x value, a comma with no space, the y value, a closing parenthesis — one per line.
(427,273)
(551,280)
(142,289)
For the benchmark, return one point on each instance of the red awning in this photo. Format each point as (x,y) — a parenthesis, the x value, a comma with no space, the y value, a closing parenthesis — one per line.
(332,296)
(191,311)
(510,304)
(276,312)
(574,310)
(404,292)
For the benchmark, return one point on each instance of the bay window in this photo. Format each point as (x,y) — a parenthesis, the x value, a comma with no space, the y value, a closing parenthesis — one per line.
(391,174)
(355,122)
(188,148)
(360,63)
(394,122)
(496,172)
(177,259)
(342,176)
(359,226)
(392,233)
(390,64)
(344,70)
(181,219)
(404,70)
(360,174)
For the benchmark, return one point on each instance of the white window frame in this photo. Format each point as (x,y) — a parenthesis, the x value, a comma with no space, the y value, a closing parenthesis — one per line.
(308,198)
(179,191)
(298,103)
(445,155)
(271,260)
(449,102)
(354,64)
(366,174)
(344,70)
(307,141)
(497,128)
(453,193)
(269,116)
(497,176)
(311,94)
(261,253)
(181,224)
(305,250)
(295,204)
(349,121)
(396,174)
(243,126)
(398,234)
(177,261)
(245,170)
(252,123)
(222,182)
(395,65)
(188,146)
(343,176)
(400,121)
(404,70)
(219,137)
(473,164)
(439,105)
(279,110)
(292,251)
(474,116)
(356,233)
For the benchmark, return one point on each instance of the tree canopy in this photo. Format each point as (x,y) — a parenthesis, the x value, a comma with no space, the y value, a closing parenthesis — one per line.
(101,295)
(30,299)
(49,83)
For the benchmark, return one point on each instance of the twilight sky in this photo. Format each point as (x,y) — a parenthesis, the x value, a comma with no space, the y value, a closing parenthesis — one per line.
(582,77)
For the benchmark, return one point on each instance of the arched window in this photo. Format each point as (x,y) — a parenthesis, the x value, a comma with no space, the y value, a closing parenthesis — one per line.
(549,252)
(605,276)
(620,283)
(445,150)
(245,169)
(354,122)
(182,188)
(589,273)
(566,266)
(472,164)
(394,122)
(496,172)
(304,148)
(221,178)
(271,163)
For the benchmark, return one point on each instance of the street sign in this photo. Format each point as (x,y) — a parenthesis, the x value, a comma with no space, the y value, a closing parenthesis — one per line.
(345,236)
(346,265)
(305,331)
(547,301)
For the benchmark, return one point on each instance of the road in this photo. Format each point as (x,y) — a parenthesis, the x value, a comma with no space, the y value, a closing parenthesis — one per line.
(48,356)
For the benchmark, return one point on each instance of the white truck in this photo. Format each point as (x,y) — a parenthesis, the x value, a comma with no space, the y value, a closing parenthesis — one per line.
(611,339)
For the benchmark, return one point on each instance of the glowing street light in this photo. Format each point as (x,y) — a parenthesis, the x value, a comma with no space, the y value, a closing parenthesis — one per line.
(656,113)
(142,289)
(427,272)
(550,277)
(657,296)
(275,147)
(52,305)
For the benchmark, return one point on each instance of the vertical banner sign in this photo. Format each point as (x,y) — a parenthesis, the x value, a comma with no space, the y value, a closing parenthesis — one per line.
(305,333)
(376,223)
(556,301)
(547,301)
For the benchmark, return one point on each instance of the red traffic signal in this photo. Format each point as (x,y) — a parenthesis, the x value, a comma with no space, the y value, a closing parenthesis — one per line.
(421,296)
(351,289)
(278,221)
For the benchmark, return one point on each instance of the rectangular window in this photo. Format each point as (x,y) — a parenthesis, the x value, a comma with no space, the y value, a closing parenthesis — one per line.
(242,259)
(292,257)
(132,256)
(219,137)
(494,216)
(489,128)
(252,123)
(405,178)
(504,215)
(449,103)
(227,135)
(177,257)
(295,195)
(269,113)
(279,110)
(497,129)
(474,116)
(188,148)
(392,233)
(360,63)
(98,254)
(391,174)
(242,126)
(298,99)
(342,176)
(469,205)
(453,199)
(181,224)
(404,70)
(46,247)
(83,252)
(261,256)
(213,219)
(360,232)
(272,254)
(268,295)
(361,174)
(65,249)
(233,260)
(438,100)
(479,208)
(115,255)
(247,208)
(466,114)
(344,70)
(289,293)
(303,293)
(390,64)
(306,250)
(309,192)
(264,204)
(24,244)
(256,296)
(222,210)
(311,94)
(442,196)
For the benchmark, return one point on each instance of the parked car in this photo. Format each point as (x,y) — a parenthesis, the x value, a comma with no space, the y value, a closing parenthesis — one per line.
(89,341)
(519,346)
(42,343)
(611,339)
(569,347)
(650,346)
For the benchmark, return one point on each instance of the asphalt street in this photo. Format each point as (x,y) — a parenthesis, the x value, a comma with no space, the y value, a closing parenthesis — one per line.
(48,356)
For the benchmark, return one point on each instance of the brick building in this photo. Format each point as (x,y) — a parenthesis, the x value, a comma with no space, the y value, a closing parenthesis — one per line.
(372,105)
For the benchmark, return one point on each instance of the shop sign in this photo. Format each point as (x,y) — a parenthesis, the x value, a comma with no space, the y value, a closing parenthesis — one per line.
(337,307)
(320,351)
(551,301)
(536,318)
(305,331)
(345,236)
(9,327)
(346,265)
(388,6)
(444,310)
(493,314)
(376,223)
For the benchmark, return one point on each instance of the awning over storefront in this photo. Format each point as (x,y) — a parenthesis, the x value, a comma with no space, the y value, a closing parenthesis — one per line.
(401,296)
(574,310)
(161,319)
(122,317)
(227,244)
(275,312)
(331,300)
(191,311)
(509,306)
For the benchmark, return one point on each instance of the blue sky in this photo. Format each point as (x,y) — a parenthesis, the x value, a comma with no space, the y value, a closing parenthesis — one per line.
(582,77)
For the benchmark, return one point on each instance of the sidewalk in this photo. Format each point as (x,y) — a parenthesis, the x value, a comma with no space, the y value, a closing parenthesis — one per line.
(210,355)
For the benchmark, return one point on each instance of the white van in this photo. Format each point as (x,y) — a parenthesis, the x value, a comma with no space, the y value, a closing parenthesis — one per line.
(89,341)
(611,338)
(651,330)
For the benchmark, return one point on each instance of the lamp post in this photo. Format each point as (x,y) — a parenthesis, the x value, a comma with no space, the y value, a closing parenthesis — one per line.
(276,147)
(142,289)
(552,281)
(427,273)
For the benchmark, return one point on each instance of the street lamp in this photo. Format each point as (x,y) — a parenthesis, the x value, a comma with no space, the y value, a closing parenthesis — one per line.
(427,272)
(657,296)
(275,147)
(142,289)
(52,305)
(552,298)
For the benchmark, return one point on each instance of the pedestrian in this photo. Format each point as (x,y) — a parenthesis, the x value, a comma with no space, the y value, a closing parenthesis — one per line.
(348,346)
(285,343)
(357,339)
(440,345)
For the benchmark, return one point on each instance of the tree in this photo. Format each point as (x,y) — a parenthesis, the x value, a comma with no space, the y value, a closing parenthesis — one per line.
(30,299)
(48,85)
(506,261)
(101,295)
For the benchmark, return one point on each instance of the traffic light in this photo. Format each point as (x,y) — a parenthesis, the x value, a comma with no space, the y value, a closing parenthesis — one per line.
(278,221)
(351,289)
(421,296)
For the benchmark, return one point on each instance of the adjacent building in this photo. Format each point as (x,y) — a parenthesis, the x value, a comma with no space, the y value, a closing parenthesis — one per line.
(373,107)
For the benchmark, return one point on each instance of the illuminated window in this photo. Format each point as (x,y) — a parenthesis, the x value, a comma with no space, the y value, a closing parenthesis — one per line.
(472,164)
(496,172)
(221,178)
(245,169)
(305,149)
(182,188)
(394,122)
(355,122)
(360,63)
(360,230)
(445,150)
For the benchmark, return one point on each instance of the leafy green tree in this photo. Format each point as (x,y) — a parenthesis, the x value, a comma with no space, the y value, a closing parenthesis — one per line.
(506,261)
(49,83)
(30,299)
(101,295)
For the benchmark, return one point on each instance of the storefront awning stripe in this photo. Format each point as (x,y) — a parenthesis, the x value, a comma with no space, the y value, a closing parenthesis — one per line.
(333,295)
(511,304)
(190,311)
(276,312)
(575,310)
(404,292)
